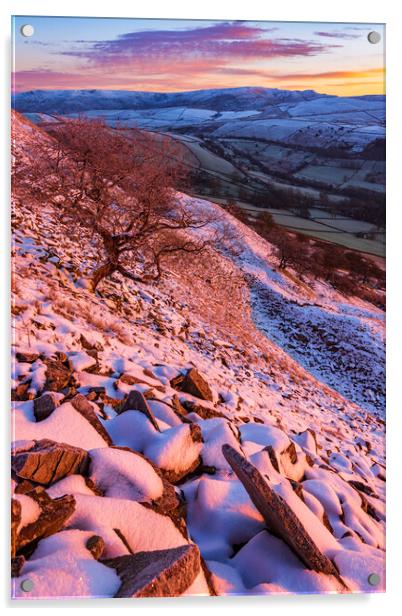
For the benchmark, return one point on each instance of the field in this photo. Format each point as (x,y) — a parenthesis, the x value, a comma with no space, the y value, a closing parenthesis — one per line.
(338,231)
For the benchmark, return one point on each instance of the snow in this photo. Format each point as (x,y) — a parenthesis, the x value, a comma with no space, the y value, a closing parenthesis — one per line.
(174,449)
(143,529)
(355,568)
(62,567)
(81,360)
(123,474)
(30,510)
(73,484)
(65,424)
(220,516)
(215,433)
(282,568)
(243,339)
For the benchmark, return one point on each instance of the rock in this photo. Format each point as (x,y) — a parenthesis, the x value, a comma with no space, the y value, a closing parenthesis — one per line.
(362,487)
(28,358)
(96,546)
(128,379)
(84,408)
(287,462)
(16,565)
(193,383)
(161,573)
(45,405)
(25,486)
(179,409)
(58,375)
(196,385)
(55,513)
(21,392)
(203,411)
(99,391)
(279,517)
(90,346)
(136,401)
(47,461)
(15,521)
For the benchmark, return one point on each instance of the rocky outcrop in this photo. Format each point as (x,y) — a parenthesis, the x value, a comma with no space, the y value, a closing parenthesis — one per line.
(46,462)
(279,517)
(161,573)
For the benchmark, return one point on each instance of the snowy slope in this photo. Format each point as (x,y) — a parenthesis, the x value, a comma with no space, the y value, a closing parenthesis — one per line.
(274,382)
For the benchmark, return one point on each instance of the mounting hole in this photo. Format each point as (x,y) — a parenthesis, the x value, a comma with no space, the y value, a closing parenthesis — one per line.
(27,30)
(373,579)
(26,585)
(374,37)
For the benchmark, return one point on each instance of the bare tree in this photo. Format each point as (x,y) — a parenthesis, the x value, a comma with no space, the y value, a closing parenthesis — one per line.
(116,189)
(287,250)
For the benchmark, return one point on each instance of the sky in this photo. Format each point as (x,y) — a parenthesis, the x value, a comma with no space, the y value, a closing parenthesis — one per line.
(177,55)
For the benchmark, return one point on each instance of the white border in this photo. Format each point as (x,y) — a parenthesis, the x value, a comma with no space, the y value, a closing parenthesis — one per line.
(380,11)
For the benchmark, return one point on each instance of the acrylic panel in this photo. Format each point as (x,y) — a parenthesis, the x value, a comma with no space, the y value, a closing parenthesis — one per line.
(198,304)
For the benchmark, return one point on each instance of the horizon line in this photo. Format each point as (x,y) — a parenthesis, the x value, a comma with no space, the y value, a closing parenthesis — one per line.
(168,92)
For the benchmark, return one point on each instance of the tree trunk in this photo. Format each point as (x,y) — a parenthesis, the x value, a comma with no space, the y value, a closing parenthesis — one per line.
(104,270)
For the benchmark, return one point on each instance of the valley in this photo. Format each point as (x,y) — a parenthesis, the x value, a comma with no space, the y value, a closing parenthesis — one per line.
(315,162)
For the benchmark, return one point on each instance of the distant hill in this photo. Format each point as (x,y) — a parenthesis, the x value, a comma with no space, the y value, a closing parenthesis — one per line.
(225,99)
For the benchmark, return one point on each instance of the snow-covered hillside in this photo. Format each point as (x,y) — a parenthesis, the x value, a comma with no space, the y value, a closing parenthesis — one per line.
(221,432)
(297,118)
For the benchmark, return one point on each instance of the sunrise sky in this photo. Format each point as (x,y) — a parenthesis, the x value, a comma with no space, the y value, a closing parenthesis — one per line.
(177,55)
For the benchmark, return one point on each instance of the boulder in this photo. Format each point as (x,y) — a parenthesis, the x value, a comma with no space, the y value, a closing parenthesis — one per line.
(279,517)
(47,461)
(160,573)
(45,405)
(193,383)
(136,401)
(84,408)
(54,515)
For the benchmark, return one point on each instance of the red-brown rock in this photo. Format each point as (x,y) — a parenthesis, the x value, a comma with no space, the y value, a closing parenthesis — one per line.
(54,515)
(47,461)
(84,408)
(137,402)
(279,517)
(45,405)
(161,573)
